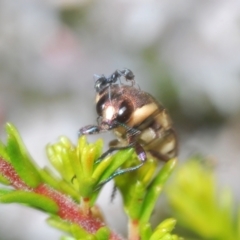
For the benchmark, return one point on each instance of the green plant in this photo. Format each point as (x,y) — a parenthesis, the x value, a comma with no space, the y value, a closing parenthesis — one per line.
(70,198)
(200,205)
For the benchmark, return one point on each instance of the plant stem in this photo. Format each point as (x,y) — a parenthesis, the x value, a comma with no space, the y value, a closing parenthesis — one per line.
(134,230)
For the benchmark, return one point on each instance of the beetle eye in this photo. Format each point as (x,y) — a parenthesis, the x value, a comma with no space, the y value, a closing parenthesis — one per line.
(125,111)
(100,105)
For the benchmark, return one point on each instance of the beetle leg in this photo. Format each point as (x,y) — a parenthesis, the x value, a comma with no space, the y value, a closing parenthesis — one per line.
(115,148)
(95,129)
(117,173)
(131,133)
(142,157)
(130,130)
(92,129)
(112,149)
(131,136)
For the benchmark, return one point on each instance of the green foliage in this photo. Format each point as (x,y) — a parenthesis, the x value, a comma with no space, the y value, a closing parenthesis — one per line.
(162,231)
(141,195)
(70,196)
(32,199)
(20,159)
(77,231)
(199,207)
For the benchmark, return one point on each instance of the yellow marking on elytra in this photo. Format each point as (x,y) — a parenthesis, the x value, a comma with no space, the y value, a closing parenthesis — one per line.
(140,114)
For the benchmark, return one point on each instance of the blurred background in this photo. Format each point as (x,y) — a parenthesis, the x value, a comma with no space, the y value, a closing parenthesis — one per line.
(185,53)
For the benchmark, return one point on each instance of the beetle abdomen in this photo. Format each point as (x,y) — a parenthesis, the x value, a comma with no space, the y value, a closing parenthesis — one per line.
(158,137)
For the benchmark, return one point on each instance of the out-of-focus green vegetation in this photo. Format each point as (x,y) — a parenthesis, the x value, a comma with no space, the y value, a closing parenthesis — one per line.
(200,205)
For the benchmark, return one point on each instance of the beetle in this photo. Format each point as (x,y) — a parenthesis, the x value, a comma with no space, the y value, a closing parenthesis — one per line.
(137,119)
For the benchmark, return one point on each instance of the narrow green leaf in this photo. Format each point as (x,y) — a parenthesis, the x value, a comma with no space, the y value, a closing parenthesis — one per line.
(20,158)
(155,189)
(98,148)
(4,180)
(82,143)
(103,233)
(3,153)
(77,168)
(159,234)
(102,166)
(79,232)
(69,190)
(87,160)
(164,229)
(167,236)
(86,187)
(32,199)
(167,224)
(68,171)
(65,142)
(47,176)
(5,191)
(146,231)
(54,157)
(134,206)
(147,171)
(57,222)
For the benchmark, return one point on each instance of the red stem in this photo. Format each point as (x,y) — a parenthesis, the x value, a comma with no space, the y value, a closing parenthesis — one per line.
(7,170)
(68,209)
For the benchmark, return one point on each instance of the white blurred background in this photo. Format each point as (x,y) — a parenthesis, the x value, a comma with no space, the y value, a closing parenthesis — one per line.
(186,53)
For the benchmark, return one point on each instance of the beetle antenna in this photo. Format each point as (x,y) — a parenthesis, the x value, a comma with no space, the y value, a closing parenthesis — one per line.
(117,173)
